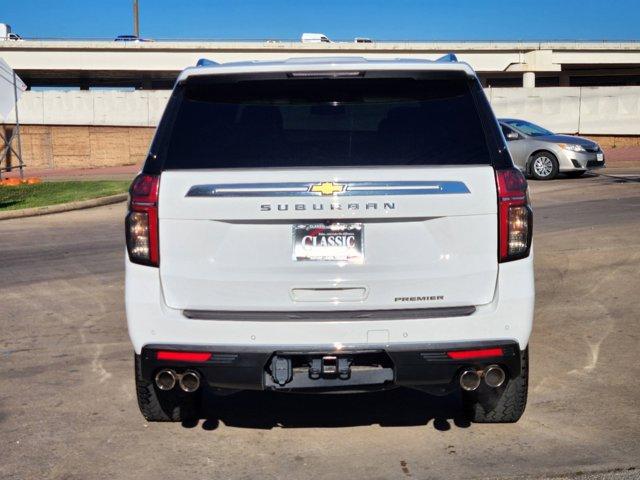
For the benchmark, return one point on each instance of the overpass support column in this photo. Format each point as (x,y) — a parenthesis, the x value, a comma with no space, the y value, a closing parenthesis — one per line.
(529,79)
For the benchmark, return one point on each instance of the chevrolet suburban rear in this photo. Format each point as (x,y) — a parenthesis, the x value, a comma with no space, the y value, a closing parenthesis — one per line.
(328,225)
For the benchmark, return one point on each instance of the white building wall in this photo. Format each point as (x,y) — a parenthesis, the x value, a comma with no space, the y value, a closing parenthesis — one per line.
(586,110)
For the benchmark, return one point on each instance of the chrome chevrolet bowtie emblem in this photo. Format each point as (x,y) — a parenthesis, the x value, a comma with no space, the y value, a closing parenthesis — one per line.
(327,188)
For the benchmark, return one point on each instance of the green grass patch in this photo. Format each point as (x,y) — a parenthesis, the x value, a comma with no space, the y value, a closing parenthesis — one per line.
(52,193)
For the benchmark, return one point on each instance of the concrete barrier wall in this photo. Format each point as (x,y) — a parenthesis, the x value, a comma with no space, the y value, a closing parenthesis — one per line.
(141,108)
(610,110)
(585,110)
(557,109)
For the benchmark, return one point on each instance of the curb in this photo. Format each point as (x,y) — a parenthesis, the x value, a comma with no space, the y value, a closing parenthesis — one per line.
(64,207)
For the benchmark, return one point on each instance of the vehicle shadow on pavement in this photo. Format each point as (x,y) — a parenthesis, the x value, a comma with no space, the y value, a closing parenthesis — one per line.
(393,408)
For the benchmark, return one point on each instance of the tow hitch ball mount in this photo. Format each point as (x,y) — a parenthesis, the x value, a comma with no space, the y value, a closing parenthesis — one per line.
(328,366)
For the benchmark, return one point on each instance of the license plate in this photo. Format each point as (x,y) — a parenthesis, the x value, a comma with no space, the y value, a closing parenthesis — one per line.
(599,157)
(334,242)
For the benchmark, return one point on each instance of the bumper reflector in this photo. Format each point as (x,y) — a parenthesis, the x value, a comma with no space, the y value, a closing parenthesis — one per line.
(183,356)
(473,354)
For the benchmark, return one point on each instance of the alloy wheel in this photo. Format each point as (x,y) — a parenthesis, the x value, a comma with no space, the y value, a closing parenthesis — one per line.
(543,166)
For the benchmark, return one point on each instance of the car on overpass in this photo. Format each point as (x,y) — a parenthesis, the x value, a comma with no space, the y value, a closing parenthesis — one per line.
(314,38)
(542,154)
(130,38)
(7,34)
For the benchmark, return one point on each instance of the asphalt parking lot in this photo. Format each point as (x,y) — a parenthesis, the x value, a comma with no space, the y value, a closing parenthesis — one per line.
(68,408)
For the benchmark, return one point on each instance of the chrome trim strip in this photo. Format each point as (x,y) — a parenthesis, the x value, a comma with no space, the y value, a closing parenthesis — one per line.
(329,315)
(337,347)
(299,189)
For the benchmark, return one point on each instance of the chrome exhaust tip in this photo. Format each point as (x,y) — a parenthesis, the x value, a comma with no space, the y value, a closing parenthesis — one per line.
(190,381)
(470,380)
(166,379)
(494,376)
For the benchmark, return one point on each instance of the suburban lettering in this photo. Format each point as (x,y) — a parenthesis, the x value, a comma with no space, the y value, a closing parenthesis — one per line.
(283,207)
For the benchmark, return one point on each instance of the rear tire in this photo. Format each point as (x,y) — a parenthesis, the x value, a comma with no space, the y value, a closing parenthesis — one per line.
(160,406)
(501,405)
(544,166)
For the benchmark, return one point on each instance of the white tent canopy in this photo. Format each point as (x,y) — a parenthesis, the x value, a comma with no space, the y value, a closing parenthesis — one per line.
(11,86)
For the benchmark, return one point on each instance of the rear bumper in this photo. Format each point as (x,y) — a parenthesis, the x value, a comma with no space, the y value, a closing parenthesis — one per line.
(427,366)
(509,316)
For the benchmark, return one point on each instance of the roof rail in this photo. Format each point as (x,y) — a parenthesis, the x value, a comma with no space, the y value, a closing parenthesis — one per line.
(205,62)
(448,58)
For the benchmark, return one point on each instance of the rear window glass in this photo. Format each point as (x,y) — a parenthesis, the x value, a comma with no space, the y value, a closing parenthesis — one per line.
(300,122)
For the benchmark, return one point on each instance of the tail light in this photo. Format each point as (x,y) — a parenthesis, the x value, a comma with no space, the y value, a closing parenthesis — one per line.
(515,219)
(183,356)
(475,354)
(141,223)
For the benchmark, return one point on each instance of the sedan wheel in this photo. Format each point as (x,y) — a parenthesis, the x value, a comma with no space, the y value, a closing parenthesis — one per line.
(544,166)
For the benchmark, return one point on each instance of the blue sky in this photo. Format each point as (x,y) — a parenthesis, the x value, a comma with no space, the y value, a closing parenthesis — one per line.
(339,19)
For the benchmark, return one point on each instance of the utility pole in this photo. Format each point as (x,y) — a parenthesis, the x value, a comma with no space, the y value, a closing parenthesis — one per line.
(136,23)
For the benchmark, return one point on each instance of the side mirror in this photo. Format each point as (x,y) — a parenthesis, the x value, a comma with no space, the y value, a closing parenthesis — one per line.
(512,136)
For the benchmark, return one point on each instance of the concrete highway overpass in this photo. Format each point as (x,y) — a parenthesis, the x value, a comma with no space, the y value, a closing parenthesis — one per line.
(586,88)
(155,65)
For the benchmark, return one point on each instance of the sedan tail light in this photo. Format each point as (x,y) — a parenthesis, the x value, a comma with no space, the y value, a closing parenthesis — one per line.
(515,218)
(141,223)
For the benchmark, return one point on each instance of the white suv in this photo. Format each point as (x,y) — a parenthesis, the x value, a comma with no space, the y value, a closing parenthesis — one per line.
(329,224)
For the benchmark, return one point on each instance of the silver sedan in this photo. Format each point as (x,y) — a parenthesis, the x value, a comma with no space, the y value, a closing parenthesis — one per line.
(542,154)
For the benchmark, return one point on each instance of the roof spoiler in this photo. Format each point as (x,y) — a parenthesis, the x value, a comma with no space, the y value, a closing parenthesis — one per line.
(448,58)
